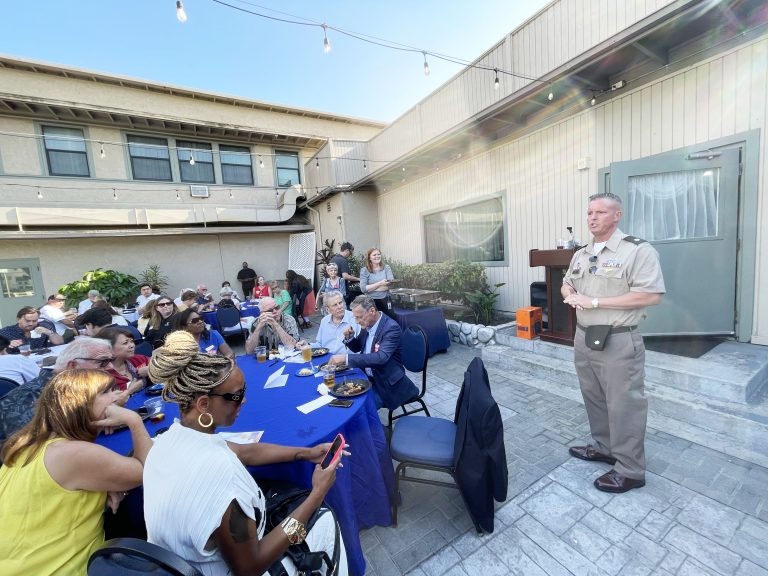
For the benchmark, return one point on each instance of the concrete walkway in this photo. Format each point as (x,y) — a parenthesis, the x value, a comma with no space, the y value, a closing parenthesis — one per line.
(701,512)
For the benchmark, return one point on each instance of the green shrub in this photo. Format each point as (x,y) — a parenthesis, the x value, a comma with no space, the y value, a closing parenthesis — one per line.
(482,303)
(155,278)
(116,287)
(455,279)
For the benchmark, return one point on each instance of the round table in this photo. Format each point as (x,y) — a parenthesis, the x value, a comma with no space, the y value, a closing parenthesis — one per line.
(361,495)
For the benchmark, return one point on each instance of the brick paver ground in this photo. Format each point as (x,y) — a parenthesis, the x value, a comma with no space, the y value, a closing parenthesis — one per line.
(701,512)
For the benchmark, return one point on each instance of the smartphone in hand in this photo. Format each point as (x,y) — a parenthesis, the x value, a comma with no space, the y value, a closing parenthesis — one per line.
(334,452)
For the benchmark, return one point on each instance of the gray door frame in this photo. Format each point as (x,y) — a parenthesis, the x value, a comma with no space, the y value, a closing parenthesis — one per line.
(746,256)
(10,306)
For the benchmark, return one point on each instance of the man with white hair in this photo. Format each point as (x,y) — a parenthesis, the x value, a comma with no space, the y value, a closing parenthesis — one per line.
(88,302)
(18,406)
(272,327)
(331,332)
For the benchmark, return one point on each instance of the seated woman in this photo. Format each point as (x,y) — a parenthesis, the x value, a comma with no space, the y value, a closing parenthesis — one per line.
(55,481)
(235,297)
(188,299)
(159,325)
(200,501)
(146,316)
(282,297)
(332,282)
(261,290)
(208,341)
(374,281)
(227,299)
(128,368)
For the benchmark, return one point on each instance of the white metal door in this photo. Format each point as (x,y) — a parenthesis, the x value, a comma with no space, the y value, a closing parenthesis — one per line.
(301,254)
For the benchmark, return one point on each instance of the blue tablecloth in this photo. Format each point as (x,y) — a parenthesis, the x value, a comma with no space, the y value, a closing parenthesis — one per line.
(433,323)
(245,310)
(361,495)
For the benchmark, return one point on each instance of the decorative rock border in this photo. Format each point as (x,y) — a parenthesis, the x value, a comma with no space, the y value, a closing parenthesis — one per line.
(474,335)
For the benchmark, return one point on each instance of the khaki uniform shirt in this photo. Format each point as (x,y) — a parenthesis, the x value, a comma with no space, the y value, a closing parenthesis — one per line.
(620,267)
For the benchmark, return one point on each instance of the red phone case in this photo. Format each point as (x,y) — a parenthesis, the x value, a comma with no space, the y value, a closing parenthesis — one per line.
(336,451)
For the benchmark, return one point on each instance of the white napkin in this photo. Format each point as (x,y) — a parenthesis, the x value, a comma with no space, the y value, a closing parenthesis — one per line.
(277,379)
(294,359)
(315,404)
(322,389)
(242,437)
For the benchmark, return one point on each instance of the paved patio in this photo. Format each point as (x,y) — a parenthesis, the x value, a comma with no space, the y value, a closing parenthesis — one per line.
(701,512)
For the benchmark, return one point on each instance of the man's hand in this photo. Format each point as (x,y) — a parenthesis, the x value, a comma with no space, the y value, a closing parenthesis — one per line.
(16,343)
(578,301)
(349,331)
(338,359)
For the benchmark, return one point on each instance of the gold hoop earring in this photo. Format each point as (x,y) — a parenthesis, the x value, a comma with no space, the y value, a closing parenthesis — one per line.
(200,420)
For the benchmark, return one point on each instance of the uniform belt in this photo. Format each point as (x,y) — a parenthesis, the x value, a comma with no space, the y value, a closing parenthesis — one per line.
(614,329)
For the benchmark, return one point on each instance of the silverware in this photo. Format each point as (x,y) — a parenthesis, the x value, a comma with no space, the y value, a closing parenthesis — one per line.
(273,363)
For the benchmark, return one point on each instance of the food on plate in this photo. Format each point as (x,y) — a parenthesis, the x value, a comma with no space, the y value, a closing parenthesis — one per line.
(349,388)
(305,372)
(339,367)
(319,352)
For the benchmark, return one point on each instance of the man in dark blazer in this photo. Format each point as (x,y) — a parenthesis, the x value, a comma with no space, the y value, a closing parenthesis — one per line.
(378,345)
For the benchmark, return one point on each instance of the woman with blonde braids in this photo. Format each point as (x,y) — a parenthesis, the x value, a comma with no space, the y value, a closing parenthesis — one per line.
(199,499)
(55,481)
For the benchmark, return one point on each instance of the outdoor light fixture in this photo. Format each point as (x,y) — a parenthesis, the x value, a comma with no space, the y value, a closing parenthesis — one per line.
(326,43)
(114,193)
(102,154)
(593,101)
(365,166)
(550,96)
(181,15)
(39,194)
(496,80)
(426,65)
(338,219)
(261,162)
(191,158)
(317,163)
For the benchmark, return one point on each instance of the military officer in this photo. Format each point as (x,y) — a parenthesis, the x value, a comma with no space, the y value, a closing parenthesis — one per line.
(610,282)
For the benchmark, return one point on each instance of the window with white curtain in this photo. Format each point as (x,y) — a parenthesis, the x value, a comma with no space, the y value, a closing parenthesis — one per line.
(66,151)
(673,205)
(473,232)
(235,165)
(202,169)
(150,159)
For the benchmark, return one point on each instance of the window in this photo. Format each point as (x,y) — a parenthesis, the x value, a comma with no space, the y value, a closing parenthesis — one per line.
(473,232)
(150,159)
(65,150)
(287,164)
(202,169)
(235,165)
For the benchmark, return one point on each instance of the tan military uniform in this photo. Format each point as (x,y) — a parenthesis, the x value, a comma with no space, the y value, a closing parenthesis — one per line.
(612,379)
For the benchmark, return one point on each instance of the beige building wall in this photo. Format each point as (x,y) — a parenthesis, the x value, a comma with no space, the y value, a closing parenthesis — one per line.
(186,260)
(544,191)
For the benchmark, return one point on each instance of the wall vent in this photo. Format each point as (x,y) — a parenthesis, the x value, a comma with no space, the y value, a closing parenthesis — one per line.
(199,191)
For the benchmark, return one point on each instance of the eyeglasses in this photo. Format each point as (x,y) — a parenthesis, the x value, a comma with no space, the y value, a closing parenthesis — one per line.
(100,362)
(236,397)
(165,304)
(196,321)
(60,299)
(269,310)
(593,268)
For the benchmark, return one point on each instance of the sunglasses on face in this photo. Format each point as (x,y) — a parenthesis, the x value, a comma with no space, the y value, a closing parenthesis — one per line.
(196,321)
(100,362)
(162,304)
(236,397)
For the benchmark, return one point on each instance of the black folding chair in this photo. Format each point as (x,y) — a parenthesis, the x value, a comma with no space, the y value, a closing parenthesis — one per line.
(6,385)
(134,557)
(414,352)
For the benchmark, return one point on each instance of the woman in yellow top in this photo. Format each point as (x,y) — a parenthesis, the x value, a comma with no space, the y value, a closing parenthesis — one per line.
(55,481)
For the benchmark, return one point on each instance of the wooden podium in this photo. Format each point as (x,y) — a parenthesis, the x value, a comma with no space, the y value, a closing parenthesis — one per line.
(561,318)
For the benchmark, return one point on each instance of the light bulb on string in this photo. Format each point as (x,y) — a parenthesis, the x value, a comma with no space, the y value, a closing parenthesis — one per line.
(261,162)
(102,154)
(326,42)
(365,165)
(426,65)
(496,79)
(114,193)
(39,194)
(177,195)
(551,96)
(317,163)
(230,195)
(191,158)
(593,101)
(181,14)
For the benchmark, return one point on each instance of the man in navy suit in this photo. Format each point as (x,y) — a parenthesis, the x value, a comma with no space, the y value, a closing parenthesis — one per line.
(379,347)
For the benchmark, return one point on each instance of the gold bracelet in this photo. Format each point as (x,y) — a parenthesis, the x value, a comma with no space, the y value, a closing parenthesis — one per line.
(294,530)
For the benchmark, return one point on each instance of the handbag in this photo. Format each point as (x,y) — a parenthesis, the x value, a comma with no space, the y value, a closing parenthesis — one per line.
(281,500)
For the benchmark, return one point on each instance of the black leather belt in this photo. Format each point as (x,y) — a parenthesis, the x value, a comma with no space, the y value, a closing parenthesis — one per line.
(615,329)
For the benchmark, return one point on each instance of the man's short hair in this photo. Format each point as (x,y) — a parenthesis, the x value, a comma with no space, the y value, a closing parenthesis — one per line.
(81,347)
(226,291)
(607,196)
(26,310)
(147,284)
(97,316)
(365,301)
(268,301)
(188,294)
(347,246)
(333,295)
(332,265)
(93,293)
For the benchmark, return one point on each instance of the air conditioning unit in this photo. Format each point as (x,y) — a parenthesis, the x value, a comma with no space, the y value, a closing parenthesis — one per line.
(199,191)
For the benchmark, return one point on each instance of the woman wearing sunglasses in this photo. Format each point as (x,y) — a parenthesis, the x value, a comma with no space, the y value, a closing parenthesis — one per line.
(199,500)
(209,341)
(160,323)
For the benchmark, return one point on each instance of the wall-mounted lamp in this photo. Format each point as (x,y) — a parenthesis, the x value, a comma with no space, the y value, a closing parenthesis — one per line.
(338,219)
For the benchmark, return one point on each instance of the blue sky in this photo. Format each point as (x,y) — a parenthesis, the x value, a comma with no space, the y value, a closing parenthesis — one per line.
(223,50)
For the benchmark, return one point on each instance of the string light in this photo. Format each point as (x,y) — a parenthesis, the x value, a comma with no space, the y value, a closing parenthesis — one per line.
(426,65)
(326,43)
(181,14)
(191,158)
(317,163)
(177,195)
(114,194)
(365,165)
(230,194)
(39,194)
(550,96)
(496,80)
(594,99)
(102,154)
(261,162)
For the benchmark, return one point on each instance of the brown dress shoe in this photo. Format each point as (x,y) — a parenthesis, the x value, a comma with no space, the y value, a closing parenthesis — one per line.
(614,482)
(589,453)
